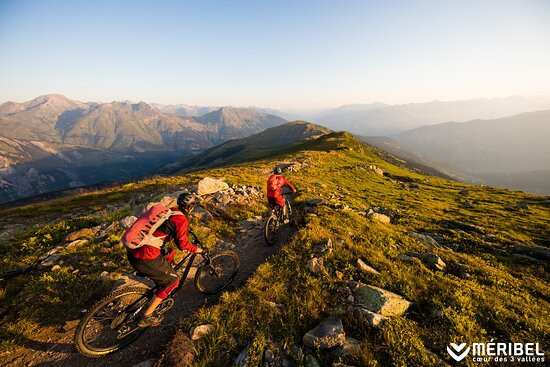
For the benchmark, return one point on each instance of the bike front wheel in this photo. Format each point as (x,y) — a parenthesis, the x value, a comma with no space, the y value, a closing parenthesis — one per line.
(111,324)
(218,274)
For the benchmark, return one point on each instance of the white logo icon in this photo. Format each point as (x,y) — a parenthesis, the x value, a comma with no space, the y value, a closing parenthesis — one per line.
(455,349)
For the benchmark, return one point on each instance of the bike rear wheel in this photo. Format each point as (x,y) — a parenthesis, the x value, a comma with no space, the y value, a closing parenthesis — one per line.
(271,230)
(111,324)
(218,274)
(290,213)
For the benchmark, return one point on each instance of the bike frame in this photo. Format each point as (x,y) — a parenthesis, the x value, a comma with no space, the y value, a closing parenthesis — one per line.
(189,258)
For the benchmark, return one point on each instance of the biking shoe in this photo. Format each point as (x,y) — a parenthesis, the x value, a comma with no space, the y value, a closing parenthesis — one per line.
(150,320)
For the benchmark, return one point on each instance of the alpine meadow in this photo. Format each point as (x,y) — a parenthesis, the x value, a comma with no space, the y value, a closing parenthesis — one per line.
(274,184)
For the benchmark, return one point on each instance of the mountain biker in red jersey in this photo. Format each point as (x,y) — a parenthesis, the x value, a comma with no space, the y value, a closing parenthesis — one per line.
(155,263)
(275,184)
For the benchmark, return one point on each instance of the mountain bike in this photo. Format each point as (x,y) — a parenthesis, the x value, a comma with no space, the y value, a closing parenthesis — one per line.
(111,324)
(276,221)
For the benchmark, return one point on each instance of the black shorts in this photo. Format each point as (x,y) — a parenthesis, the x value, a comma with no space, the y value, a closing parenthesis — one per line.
(159,270)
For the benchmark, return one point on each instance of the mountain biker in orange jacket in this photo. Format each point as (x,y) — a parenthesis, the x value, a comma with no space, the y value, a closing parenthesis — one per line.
(275,184)
(155,263)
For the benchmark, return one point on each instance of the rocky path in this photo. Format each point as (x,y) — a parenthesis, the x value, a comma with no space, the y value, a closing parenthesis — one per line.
(55,347)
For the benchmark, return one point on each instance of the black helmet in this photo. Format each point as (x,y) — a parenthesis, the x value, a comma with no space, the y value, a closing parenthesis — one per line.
(277,170)
(187,199)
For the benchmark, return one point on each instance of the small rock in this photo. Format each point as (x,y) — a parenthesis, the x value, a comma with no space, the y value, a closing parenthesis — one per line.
(522,205)
(350,345)
(362,266)
(323,248)
(76,243)
(49,261)
(243,358)
(432,261)
(380,217)
(329,333)
(404,258)
(316,264)
(371,318)
(200,331)
(311,361)
(83,233)
(148,363)
(464,192)
(104,276)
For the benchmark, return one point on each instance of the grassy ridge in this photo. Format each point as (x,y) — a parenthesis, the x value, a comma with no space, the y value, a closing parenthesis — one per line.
(503,298)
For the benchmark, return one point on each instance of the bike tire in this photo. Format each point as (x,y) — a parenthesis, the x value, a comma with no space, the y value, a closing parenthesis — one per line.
(291,218)
(270,238)
(204,271)
(79,339)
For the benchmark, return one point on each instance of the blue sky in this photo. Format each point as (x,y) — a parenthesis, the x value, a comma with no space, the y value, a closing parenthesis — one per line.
(284,54)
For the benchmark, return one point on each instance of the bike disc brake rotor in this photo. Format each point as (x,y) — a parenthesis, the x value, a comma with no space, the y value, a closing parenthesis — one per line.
(165,305)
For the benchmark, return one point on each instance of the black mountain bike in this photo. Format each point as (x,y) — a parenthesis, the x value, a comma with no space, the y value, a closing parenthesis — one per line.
(111,324)
(276,221)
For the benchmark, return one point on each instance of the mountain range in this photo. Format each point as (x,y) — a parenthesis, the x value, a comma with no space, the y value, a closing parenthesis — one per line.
(383,119)
(52,142)
(498,151)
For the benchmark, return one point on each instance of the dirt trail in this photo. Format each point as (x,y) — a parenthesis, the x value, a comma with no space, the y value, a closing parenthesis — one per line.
(56,348)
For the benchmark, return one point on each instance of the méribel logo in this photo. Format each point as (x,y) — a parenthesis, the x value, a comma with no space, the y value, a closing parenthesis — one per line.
(458,351)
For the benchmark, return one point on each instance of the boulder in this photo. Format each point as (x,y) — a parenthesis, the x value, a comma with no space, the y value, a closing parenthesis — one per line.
(127,222)
(424,239)
(432,261)
(198,332)
(209,185)
(539,252)
(456,224)
(316,265)
(350,345)
(362,266)
(379,300)
(380,217)
(368,317)
(464,192)
(329,333)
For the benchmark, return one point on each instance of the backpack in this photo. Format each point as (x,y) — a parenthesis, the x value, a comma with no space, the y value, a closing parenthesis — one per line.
(272,183)
(141,232)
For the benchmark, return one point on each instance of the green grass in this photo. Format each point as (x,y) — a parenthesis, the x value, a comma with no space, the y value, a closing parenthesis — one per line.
(503,298)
